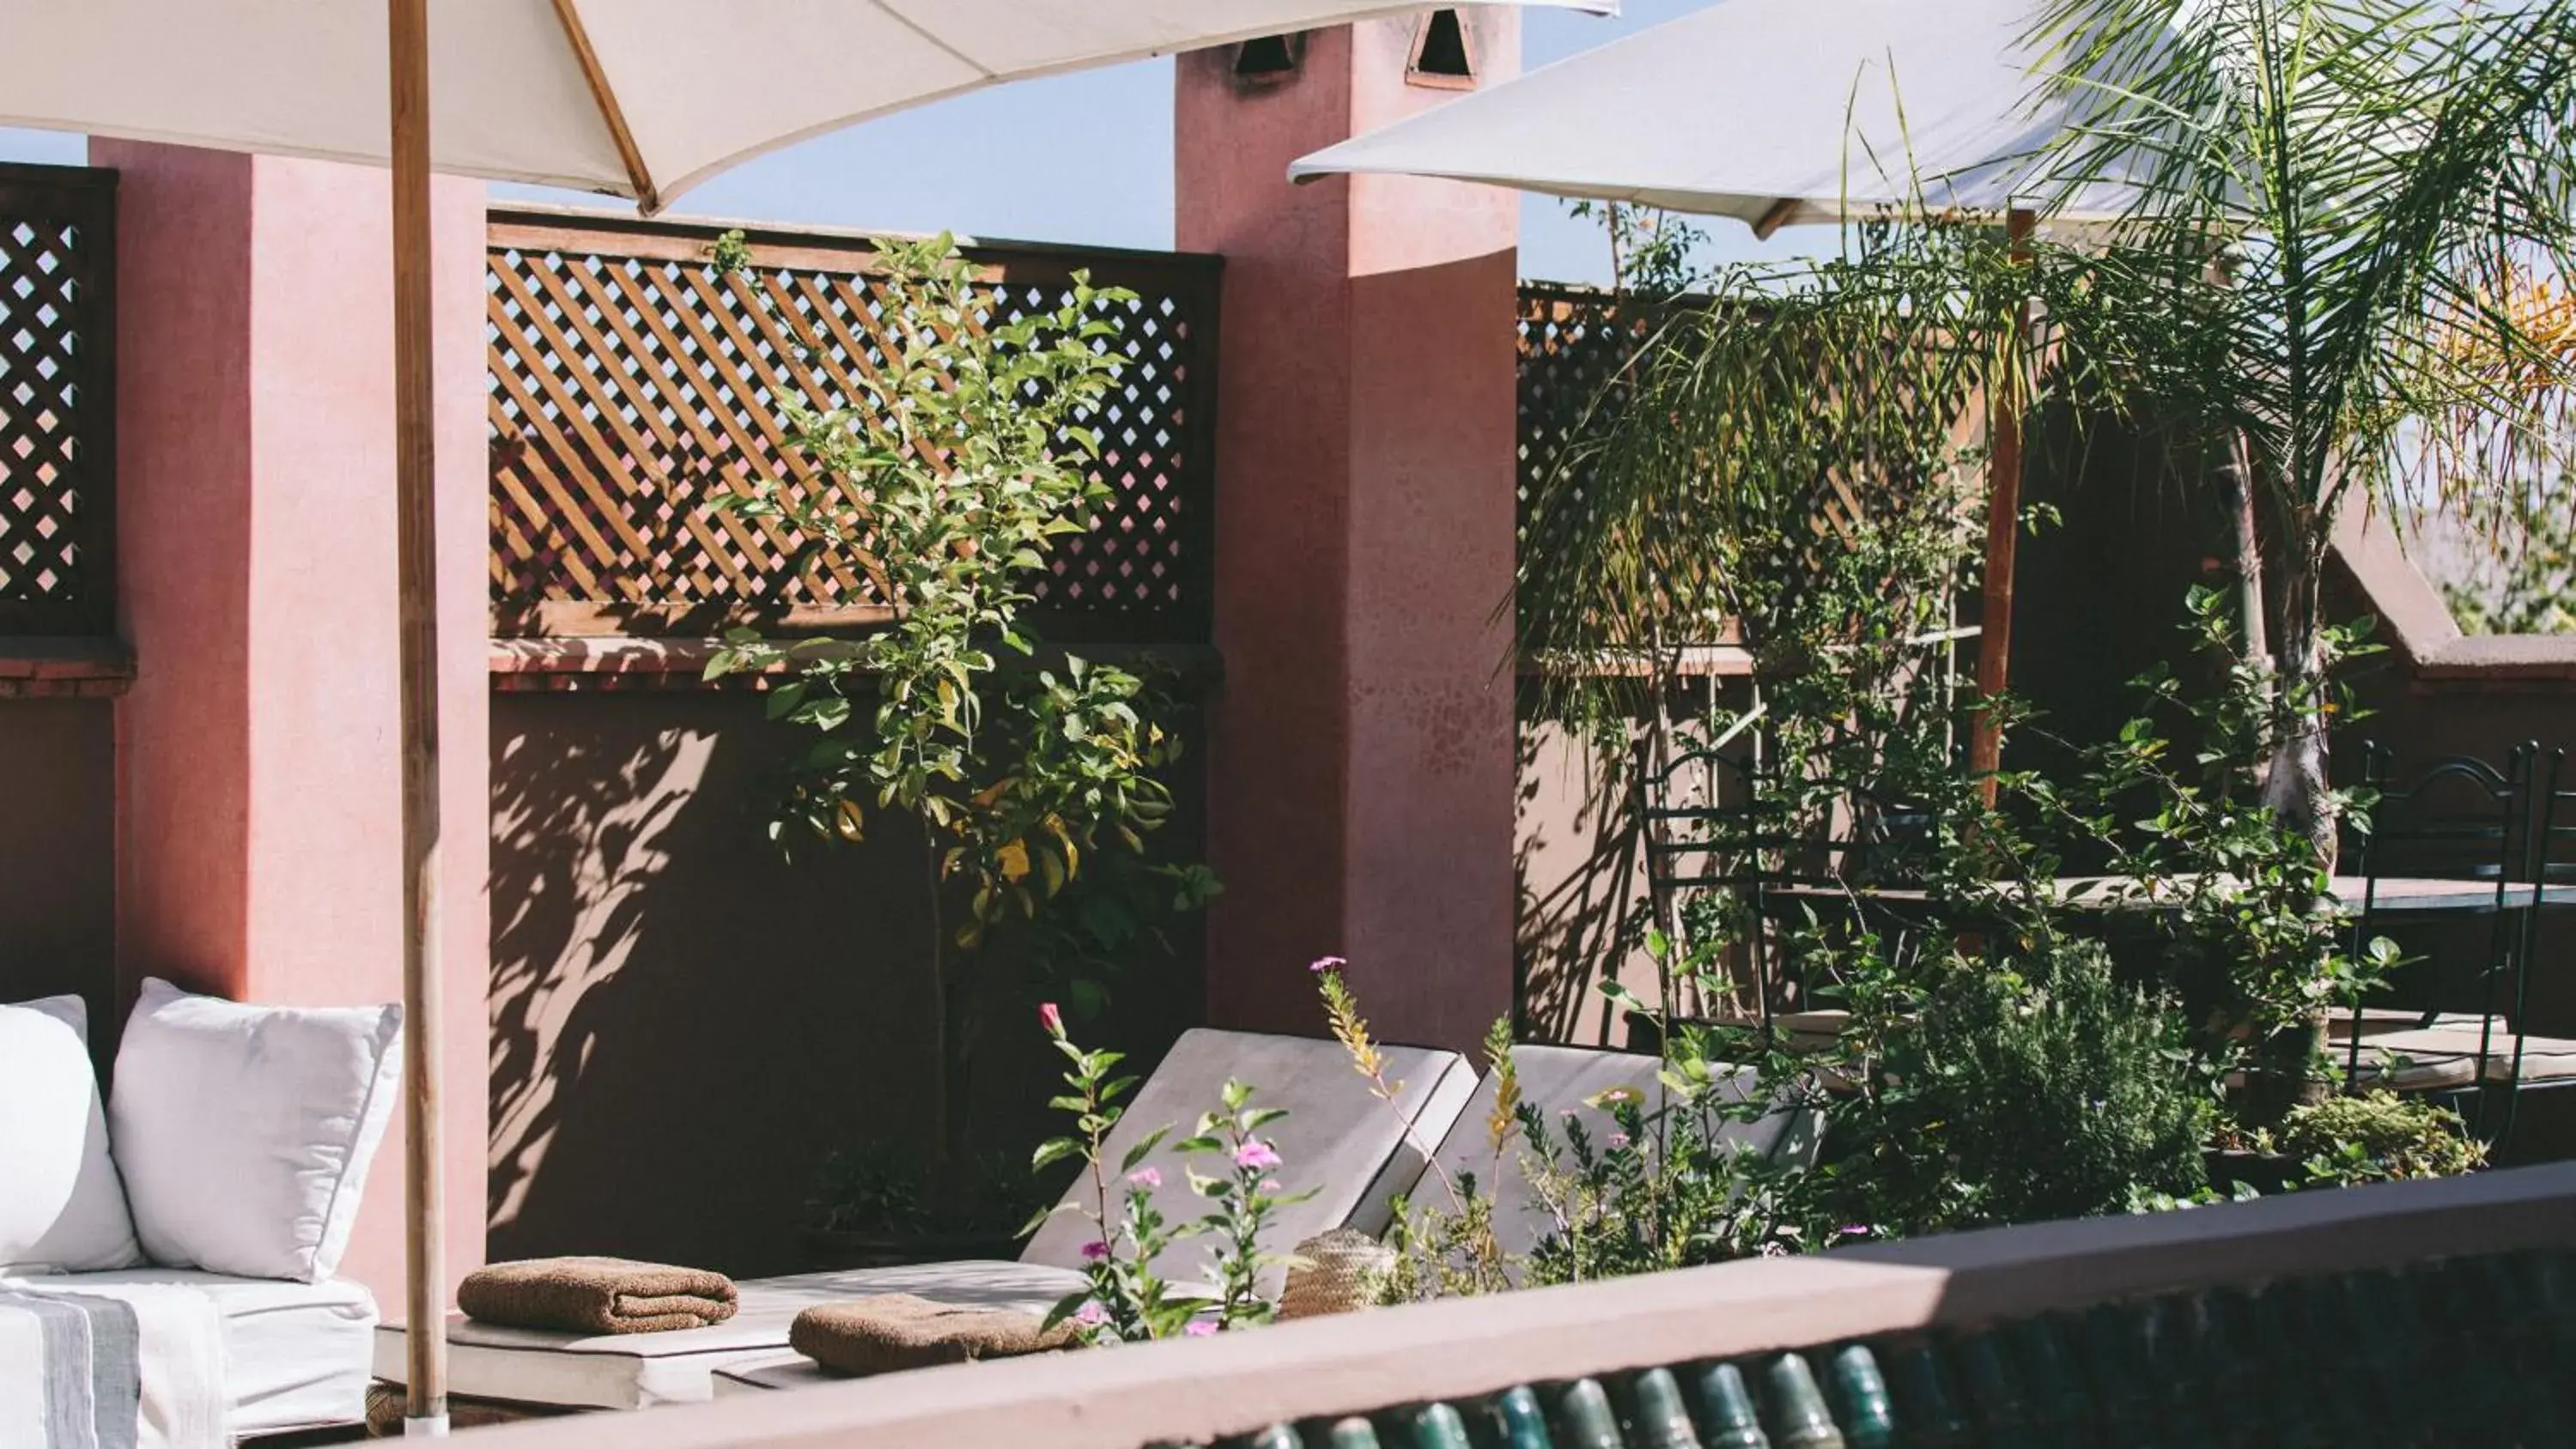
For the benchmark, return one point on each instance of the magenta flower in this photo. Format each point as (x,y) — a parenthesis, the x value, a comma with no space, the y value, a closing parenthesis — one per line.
(1327,965)
(1256,1155)
(1090,1315)
(1094,1251)
(1618,1140)
(1199,1328)
(1146,1178)
(1051,1019)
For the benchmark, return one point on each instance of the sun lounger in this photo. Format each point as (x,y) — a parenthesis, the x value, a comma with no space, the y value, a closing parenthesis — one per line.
(1336,1137)
(1559,1081)
(1566,1085)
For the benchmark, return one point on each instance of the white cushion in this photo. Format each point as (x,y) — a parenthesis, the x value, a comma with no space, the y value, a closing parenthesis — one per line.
(61,1206)
(296,1355)
(244,1132)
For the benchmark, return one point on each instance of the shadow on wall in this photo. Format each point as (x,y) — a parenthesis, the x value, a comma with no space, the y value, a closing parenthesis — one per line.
(682,1021)
(58,856)
(685,1020)
(1583,906)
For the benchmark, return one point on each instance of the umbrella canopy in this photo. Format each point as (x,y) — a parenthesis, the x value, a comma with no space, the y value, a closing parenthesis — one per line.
(1769,111)
(634,98)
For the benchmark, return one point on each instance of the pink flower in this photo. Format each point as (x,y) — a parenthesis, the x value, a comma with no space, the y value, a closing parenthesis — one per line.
(1327,965)
(1093,1252)
(1090,1315)
(1269,1184)
(1199,1328)
(1618,1140)
(1146,1178)
(1051,1019)
(1255,1154)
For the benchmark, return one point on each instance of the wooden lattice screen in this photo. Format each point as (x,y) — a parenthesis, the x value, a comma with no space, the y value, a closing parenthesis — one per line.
(631,384)
(57,400)
(1570,345)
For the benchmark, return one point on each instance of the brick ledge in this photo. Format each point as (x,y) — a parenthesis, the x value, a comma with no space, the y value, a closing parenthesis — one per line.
(623,662)
(54,667)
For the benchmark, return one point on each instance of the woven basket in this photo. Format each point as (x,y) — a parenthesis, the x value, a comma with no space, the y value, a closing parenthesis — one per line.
(385,1411)
(1332,1274)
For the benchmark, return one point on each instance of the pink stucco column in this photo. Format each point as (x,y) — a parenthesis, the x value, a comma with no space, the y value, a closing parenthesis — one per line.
(258,802)
(1362,750)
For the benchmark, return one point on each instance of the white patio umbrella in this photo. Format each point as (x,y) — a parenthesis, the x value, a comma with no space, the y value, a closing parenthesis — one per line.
(634,98)
(1776,112)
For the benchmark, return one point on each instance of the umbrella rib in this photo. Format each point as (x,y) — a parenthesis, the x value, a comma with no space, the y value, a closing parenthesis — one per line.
(647,197)
(908,23)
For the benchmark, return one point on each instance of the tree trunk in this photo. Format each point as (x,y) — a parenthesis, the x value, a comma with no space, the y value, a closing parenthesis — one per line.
(944,1111)
(2236,484)
(2296,791)
(2295,786)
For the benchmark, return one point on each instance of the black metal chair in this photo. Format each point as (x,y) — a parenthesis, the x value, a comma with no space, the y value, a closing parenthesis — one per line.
(2551,876)
(2457,819)
(1717,821)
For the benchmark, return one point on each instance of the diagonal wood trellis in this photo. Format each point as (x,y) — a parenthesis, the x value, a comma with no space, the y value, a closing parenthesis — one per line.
(57,400)
(632,384)
(1573,342)
(1571,345)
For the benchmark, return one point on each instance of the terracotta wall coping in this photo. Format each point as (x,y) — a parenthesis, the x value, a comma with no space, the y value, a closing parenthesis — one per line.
(629,662)
(1201,1389)
(2413,618)
(45,667)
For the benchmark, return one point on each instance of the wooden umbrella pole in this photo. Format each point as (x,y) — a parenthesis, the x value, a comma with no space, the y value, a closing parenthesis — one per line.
(2003,533)
(416,507)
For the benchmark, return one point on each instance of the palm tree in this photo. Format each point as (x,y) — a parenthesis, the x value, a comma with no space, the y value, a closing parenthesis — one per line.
(2338,202)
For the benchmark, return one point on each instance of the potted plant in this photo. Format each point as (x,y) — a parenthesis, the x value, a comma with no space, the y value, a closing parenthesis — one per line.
(1034,781)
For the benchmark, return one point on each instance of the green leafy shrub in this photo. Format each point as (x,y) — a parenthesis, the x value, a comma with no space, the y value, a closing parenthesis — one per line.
(2376,1137)
(2061,1094)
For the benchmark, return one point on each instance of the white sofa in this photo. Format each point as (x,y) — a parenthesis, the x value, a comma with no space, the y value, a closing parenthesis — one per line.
(167,1255)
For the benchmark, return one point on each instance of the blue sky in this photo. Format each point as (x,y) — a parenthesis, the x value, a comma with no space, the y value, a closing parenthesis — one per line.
(1081,159)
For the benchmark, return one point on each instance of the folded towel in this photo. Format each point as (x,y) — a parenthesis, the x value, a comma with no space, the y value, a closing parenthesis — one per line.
(596,1295)
(895,1331)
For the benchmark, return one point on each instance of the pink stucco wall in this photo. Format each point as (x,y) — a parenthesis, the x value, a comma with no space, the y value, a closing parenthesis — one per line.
(258,795)
(1361,762)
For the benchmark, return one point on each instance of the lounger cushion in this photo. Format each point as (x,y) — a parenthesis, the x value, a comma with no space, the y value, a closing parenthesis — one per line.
(1567,1086)
(296,1355)
(2428,1060)
(245,1132)
(1336,1138)
(61,1206)
(639,1370)
(2448,1055)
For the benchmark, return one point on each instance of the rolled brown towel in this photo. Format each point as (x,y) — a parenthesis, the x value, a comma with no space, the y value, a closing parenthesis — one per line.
(895,1331)
(596,1295)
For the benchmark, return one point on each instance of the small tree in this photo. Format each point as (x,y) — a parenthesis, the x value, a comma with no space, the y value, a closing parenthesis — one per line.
(946,484)
(2336,203)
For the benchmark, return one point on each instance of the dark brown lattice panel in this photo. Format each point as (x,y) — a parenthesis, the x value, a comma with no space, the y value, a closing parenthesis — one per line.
(632,385)
(1573,344)
(57,386)
(1570,346)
